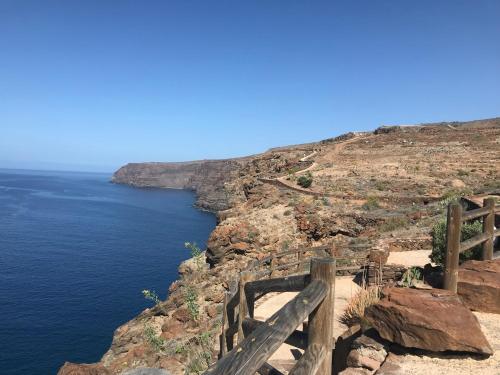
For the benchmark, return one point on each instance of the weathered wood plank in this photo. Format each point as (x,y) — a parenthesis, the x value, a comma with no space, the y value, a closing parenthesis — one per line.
(232,330)
(474,241)
(225,325)
(282,284)
(453,231)
(474,214)
(297,338)
(321,319)
(311,360)
(489,228)
(251,354)
(233,301)
(243,312)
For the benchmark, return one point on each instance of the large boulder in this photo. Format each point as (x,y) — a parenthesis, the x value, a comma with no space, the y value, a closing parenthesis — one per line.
(479,285)
(434,320)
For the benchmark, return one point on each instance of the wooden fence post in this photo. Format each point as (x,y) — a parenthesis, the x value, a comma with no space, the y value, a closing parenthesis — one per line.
(321,319)
(489,227)
(453,233)
(225,326)
(299,259)
(245,277)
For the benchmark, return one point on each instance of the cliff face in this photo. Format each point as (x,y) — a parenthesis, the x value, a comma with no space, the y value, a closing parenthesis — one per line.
(206,177)
(370,190)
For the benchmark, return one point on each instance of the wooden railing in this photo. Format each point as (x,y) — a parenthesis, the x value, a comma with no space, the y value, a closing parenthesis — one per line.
(258,340)
(239,303)
(454,244)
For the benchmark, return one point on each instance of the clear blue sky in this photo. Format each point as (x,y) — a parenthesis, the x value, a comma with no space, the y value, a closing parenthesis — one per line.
(93,84)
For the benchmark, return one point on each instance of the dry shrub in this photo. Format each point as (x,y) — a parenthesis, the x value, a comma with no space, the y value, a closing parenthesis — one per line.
(368,295)
(355,311)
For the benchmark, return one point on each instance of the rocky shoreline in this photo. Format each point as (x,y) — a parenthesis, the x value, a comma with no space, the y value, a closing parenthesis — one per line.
(363,197)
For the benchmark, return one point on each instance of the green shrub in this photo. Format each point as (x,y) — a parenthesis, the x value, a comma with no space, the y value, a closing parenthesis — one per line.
(469,230)
(305,181)
(411,276)
(196,254)
(371,204)
(192,303)
(155,341)
(151,295)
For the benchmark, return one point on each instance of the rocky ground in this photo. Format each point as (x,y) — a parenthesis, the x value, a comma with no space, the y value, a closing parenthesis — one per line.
(372,190)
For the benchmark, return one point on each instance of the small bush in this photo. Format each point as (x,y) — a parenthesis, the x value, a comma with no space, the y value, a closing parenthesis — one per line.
(393,223)
(438,233)
(196,254)
(154,340)
(151,295)
(411,276)
(192,303)
(371,204)
(305,181)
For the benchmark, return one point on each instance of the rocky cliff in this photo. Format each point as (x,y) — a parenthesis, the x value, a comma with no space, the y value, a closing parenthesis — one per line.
(207,178)
(380,190)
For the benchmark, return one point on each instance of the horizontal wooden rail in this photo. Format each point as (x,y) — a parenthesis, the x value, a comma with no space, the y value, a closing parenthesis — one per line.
(496,233)
(251,354)
(310,361)
(289,252)
(474,214)
(282,284)
(474,241)
(297,338)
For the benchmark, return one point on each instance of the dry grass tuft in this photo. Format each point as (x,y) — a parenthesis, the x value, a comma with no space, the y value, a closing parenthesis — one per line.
(355,311)
(357,305)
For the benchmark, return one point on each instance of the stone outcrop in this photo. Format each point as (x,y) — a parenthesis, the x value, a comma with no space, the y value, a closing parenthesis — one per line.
(434,320)
(479,285)
(82,369)
(367,352)
(230,239)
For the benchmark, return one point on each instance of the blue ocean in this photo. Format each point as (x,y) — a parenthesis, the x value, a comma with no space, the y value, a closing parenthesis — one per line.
(75,253)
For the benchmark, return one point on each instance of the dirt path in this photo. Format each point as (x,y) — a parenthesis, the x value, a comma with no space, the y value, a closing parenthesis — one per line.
(287,183)
(283,359)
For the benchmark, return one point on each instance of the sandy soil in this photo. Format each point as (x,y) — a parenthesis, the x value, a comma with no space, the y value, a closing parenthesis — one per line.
(410,258)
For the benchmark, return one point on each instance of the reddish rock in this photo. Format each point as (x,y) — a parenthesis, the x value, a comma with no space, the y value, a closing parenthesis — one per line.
(182,315)
(356,359)
(211,311)
(240,247)
(434,320)
(172,329)
(479,285)
(74,369)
